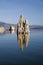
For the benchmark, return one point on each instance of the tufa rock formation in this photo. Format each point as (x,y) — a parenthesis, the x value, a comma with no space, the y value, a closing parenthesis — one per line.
(2,30)
(23,26)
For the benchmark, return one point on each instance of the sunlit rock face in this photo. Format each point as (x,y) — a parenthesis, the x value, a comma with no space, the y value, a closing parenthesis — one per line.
(12,28)
(26,27)
(20,24)
(23,26)
(2,29)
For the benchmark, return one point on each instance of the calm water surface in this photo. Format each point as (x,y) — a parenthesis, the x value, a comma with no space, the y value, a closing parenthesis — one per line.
(21,49)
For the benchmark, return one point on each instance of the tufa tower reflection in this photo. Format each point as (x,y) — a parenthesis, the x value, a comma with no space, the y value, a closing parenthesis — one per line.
(23,40)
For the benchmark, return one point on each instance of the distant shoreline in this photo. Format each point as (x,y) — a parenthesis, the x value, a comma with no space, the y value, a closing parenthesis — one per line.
(36,26)
(6,26)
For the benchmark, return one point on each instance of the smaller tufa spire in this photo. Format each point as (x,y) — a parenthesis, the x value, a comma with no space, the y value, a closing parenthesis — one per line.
(26,21)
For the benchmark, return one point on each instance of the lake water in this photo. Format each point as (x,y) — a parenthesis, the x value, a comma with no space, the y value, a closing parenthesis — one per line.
(21,49)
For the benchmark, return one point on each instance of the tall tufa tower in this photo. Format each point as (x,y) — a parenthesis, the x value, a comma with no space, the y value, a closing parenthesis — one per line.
(22,27)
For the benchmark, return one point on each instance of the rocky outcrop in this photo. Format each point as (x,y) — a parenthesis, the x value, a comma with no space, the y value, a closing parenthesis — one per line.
(23,26)
(2,29)
(12,28)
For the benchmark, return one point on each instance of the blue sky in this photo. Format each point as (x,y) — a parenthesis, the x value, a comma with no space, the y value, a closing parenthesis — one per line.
(10,11)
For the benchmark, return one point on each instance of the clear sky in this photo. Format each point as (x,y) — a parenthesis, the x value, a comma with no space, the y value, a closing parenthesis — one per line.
(10,11)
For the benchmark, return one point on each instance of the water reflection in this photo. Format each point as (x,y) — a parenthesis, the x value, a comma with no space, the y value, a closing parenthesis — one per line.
(23,40)
(12,32)
(8,32)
